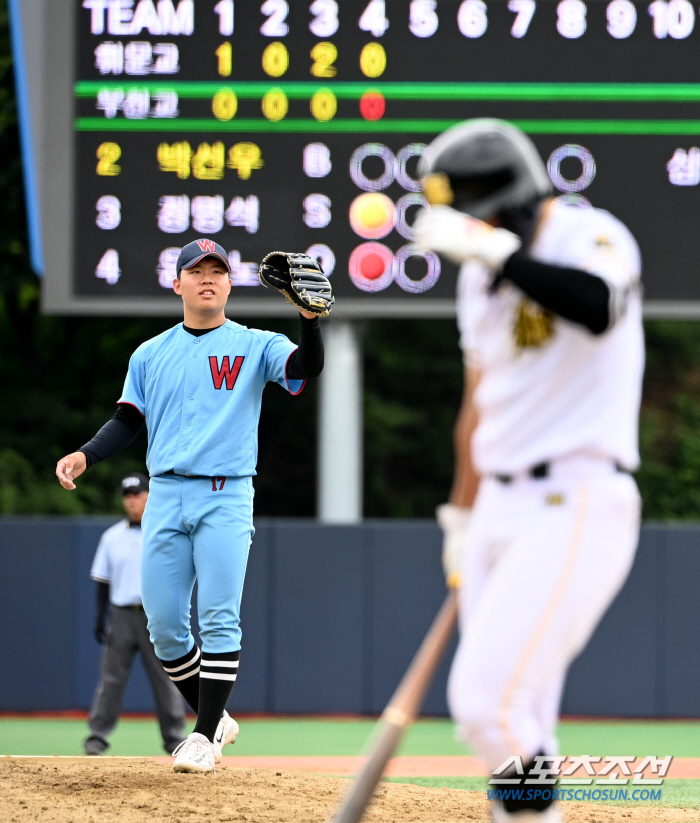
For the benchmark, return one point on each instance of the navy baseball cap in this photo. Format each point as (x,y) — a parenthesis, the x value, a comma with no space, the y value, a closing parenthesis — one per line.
(199,249)
(134,484)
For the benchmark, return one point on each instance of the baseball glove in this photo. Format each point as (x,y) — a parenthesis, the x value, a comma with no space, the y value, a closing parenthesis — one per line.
(300,279)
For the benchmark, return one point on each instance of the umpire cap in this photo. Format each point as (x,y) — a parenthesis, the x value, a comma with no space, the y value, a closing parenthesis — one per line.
(197,250)
(483,167)
(134,483)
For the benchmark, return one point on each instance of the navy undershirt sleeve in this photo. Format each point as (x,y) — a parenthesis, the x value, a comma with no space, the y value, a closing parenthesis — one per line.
(115,435)
(307,360)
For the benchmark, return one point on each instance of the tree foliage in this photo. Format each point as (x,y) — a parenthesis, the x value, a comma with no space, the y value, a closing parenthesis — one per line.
(412,391)
(669,478)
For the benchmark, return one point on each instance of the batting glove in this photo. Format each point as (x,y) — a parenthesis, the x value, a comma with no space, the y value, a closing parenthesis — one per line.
(462,238)
(454,522)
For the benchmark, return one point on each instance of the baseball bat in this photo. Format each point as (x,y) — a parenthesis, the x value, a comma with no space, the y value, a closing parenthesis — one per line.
(400,712)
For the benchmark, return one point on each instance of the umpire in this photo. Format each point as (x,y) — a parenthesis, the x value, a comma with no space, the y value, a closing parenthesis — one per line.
(117,570)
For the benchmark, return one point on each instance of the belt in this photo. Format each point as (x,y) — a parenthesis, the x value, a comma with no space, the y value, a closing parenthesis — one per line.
(137,608)
(542,470)
(538,472)
(193,476)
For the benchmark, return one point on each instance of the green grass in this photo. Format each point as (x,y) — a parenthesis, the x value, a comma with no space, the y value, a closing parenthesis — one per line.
(284,737)
(65,737)
(322,736)
(640,738)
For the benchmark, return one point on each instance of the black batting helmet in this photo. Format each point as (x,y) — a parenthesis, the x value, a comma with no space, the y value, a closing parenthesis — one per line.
(483,167)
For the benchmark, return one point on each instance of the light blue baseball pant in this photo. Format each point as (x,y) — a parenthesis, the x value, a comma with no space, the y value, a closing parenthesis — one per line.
(195,528)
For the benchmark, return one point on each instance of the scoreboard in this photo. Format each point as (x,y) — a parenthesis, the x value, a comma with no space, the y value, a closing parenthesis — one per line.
(299,125)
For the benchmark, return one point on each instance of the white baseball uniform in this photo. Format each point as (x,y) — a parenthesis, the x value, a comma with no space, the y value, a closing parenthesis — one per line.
(545,556)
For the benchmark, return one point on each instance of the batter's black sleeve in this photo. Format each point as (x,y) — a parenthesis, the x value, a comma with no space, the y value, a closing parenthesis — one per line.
(307,360)
(115,435)
(575,295)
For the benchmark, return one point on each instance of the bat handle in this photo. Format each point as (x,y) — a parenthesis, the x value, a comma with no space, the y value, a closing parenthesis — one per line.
(360,794)
(400,712)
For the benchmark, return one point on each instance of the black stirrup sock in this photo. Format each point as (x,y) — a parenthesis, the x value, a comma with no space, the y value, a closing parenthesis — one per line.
(216,678)
(184,672)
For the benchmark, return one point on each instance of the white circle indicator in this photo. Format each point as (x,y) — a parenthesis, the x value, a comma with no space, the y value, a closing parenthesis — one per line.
(403,156)
(588,169)
(427,281)
(402,205)
(372,150)
(577,200)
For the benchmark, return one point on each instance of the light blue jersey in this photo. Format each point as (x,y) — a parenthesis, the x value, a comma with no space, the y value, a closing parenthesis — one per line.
(201,397)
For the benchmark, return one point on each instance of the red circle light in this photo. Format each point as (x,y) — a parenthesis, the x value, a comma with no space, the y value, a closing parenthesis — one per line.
(372,105)
(372,267)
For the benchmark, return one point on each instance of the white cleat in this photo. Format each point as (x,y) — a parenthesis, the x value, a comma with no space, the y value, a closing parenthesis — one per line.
(226,732)
(551,815)
(195,754)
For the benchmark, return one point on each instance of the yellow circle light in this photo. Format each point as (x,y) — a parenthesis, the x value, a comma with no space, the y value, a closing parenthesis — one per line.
(372,215)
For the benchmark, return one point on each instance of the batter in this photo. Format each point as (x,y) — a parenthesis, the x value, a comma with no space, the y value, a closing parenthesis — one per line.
(198,387)
(543,519)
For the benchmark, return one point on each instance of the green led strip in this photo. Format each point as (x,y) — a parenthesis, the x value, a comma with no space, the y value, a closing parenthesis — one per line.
(429,126)
(620,92)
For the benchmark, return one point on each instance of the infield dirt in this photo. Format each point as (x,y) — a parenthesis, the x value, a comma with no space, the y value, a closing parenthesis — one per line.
(132,790)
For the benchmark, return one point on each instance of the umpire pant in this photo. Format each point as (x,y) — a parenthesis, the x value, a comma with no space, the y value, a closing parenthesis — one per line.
(128,632)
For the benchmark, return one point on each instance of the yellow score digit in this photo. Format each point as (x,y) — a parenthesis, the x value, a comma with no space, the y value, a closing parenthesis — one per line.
(275,59)
(275,104)
(225,104)
(107,155)
(373,60)
(324,55)
(324,105)
(225,55)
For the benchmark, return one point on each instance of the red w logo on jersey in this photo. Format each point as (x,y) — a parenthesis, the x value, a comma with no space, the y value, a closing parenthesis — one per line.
(227,372)
(206,245)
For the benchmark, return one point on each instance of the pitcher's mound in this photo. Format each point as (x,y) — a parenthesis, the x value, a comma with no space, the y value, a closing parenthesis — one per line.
(131,790)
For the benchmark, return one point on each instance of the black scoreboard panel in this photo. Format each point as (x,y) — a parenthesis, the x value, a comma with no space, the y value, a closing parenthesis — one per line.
(298,126)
